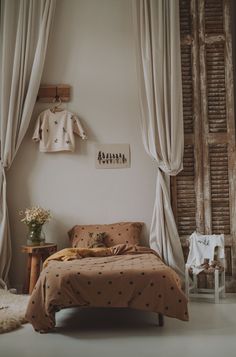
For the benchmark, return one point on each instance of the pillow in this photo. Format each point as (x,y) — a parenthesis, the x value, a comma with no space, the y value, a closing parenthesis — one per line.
(116,233)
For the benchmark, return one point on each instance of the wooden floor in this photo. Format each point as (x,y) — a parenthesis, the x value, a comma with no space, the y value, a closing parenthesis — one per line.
(127,333)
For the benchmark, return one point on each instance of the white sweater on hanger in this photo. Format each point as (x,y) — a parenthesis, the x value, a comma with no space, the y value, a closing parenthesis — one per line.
(55,131)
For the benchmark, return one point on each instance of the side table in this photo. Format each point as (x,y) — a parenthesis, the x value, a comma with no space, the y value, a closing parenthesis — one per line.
(36,256)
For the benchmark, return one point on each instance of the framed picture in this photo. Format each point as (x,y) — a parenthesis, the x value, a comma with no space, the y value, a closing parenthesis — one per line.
(112,156)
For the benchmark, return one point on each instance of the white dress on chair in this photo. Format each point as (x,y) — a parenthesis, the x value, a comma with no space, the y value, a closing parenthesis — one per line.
(203,247)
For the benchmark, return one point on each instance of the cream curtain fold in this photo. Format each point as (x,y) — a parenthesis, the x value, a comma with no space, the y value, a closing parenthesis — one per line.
(24,30)
(157,36)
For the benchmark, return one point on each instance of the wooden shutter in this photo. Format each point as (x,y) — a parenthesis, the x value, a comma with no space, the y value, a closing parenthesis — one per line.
(203,194)
(187,187)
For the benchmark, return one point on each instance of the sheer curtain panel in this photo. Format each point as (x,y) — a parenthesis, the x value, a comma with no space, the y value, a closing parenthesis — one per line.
(157,36)
(24,30)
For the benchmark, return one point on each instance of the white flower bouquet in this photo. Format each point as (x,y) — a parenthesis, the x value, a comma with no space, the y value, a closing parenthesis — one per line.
(35,218)
(36,215)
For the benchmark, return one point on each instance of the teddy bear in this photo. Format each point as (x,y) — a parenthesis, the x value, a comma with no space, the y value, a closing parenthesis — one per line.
(96,240)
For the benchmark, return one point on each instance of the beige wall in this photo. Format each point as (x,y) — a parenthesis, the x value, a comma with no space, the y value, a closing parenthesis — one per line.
(92,49)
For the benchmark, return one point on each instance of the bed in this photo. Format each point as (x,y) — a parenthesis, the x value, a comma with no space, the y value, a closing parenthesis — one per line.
(123,275)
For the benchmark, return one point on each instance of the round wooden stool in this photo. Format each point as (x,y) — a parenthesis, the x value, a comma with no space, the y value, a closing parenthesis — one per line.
(36,256)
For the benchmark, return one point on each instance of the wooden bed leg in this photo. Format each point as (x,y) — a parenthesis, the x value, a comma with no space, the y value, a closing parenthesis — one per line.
(160,320)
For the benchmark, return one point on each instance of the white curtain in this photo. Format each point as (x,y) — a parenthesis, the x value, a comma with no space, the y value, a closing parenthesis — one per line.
(157,35)
(24,32)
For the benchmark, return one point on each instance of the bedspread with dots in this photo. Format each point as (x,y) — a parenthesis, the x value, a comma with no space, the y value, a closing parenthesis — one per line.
(131,276)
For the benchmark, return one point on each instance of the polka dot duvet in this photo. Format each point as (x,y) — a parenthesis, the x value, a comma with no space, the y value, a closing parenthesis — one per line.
(120,276)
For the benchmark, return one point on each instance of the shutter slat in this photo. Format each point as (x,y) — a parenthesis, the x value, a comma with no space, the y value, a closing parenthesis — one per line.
(186,63)
(215,78)
(186,196)
(185,18)
(218,155)
(213,17)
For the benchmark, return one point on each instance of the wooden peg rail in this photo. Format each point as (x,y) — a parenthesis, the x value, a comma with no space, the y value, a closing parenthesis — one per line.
(48,93)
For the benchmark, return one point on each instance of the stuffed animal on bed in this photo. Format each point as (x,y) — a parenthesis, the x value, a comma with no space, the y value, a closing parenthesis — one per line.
(96,240)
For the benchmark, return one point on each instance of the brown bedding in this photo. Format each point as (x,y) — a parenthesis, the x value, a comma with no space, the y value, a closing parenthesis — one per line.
(120,276)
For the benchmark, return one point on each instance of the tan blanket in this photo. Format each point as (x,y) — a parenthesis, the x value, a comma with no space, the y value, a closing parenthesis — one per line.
(119,276)
(79,253)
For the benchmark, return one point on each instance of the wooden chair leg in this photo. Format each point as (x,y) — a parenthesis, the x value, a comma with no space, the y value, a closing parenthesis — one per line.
(187,281)
(195,289)
(223,283)
(160,320)
(217,294)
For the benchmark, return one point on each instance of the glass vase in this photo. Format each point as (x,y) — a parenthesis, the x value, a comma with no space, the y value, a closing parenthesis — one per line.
(36,234)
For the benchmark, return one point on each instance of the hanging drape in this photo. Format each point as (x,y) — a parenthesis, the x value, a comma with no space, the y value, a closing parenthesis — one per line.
(157,36)
(24,32)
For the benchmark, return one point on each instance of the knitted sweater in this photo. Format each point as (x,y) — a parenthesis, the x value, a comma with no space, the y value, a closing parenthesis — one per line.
(55,131)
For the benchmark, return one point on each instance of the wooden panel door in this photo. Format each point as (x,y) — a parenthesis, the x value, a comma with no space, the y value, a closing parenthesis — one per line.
(203,194)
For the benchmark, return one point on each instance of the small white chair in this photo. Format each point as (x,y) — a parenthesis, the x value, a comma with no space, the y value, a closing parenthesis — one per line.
(191,285)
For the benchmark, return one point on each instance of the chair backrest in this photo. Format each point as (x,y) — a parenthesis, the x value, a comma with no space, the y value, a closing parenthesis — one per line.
(204,247)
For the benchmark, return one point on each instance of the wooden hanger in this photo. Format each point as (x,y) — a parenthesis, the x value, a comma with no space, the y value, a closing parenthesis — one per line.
(56,108)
